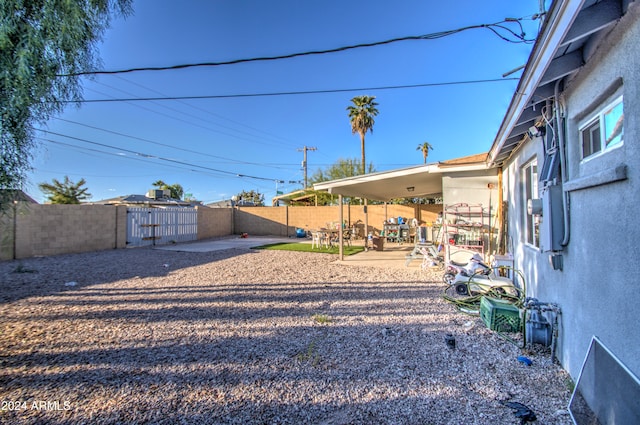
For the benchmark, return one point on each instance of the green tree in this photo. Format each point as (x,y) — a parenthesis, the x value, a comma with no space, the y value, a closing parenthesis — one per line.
(343,168)
(362,114)
(176,191)
(44,45)
(425,147)
(252,196)
(66,192)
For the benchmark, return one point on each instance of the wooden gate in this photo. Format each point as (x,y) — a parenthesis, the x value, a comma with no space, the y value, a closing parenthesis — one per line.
(158,226)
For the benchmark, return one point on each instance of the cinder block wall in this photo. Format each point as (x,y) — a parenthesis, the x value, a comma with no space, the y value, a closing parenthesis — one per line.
(283,221)
(60,229)
(261,221)
(6,235)
(214,222)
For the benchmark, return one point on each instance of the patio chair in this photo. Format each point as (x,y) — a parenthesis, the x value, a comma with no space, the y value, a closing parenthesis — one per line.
(346,237)
(319,240)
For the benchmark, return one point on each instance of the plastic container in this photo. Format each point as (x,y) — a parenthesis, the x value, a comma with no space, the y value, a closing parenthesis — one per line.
(499,316)
(378,243)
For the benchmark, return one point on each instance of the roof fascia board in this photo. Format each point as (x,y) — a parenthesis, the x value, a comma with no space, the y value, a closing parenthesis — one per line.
(429,169)
(363,178)
(558,25)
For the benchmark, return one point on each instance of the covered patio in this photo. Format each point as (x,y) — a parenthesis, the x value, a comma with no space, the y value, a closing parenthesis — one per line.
(415,182)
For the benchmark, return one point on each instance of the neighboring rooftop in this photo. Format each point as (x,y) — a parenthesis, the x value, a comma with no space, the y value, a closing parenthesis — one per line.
(16,195)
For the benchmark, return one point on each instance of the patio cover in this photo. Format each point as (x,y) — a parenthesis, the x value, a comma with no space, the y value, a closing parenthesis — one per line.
(419,181)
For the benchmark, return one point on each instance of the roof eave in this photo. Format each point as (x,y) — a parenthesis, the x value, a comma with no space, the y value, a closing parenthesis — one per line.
(557,24)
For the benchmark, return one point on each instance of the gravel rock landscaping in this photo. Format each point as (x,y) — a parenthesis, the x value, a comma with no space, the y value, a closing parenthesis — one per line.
(252,337)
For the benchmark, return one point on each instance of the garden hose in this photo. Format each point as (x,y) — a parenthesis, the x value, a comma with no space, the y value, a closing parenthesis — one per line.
(471,304)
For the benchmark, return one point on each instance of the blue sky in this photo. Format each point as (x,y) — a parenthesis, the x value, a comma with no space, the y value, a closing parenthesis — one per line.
(206,144)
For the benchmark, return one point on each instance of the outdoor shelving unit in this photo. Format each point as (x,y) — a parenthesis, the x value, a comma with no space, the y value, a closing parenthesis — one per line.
(396,232)
(465,228)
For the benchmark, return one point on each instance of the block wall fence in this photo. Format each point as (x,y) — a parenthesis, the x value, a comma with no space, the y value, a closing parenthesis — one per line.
(30,230)
(283,221)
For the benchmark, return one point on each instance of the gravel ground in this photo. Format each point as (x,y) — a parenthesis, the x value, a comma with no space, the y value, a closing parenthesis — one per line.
(252,337)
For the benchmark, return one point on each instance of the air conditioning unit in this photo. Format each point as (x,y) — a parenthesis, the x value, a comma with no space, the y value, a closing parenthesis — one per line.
(155,194)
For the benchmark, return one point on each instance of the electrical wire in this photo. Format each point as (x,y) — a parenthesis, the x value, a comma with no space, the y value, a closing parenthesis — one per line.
(171,116)
(497,28)
(80,148)
(230,160)
(289,93)
(159,158)
(122,156)
(274,137)
(195,124)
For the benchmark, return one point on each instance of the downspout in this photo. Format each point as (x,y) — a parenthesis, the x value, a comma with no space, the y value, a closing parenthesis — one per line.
(559,112)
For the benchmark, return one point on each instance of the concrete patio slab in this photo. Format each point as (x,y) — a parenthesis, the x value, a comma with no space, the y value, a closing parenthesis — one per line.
(393,255)
(233,242)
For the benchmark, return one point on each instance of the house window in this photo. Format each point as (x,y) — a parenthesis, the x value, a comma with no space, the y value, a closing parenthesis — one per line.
(604,131)
(530,191)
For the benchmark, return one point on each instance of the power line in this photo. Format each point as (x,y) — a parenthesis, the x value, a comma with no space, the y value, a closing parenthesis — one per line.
(163,144)
(190,122)
(290,93)
(174,117)
(500,29)
(276,138)
(144,155)
(123,156)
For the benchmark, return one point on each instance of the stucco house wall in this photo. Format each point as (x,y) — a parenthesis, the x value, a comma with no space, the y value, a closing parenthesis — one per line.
(473,188)
(596,287)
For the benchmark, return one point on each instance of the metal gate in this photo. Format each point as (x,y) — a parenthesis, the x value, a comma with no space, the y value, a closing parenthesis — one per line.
(158,226)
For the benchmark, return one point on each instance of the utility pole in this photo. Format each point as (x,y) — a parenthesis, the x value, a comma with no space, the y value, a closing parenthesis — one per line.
(304,161)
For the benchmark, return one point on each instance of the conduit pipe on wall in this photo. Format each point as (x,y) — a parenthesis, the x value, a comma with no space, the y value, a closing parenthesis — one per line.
(559,112)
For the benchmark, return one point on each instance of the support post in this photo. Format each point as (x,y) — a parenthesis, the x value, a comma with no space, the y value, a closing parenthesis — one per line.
(341,230)
(366,225)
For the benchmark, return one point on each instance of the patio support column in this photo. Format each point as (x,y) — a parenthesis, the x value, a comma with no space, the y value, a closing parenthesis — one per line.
(340,230)
(366,225)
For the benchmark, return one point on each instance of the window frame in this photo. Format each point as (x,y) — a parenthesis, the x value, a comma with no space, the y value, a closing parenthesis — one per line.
(599,119)
(532,222)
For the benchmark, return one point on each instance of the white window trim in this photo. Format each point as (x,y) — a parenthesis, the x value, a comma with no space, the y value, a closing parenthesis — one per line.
(534,193)
(599,116)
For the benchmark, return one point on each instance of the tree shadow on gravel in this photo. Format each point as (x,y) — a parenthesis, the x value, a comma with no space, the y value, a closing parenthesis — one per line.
(356,374)
(238,353)
(42,276)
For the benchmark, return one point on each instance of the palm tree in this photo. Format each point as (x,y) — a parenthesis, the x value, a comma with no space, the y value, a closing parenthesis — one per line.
(361,114)
(66,192)
(425,150)
(175,190)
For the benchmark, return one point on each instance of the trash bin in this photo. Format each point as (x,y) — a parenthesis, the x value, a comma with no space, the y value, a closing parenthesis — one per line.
(378,243)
